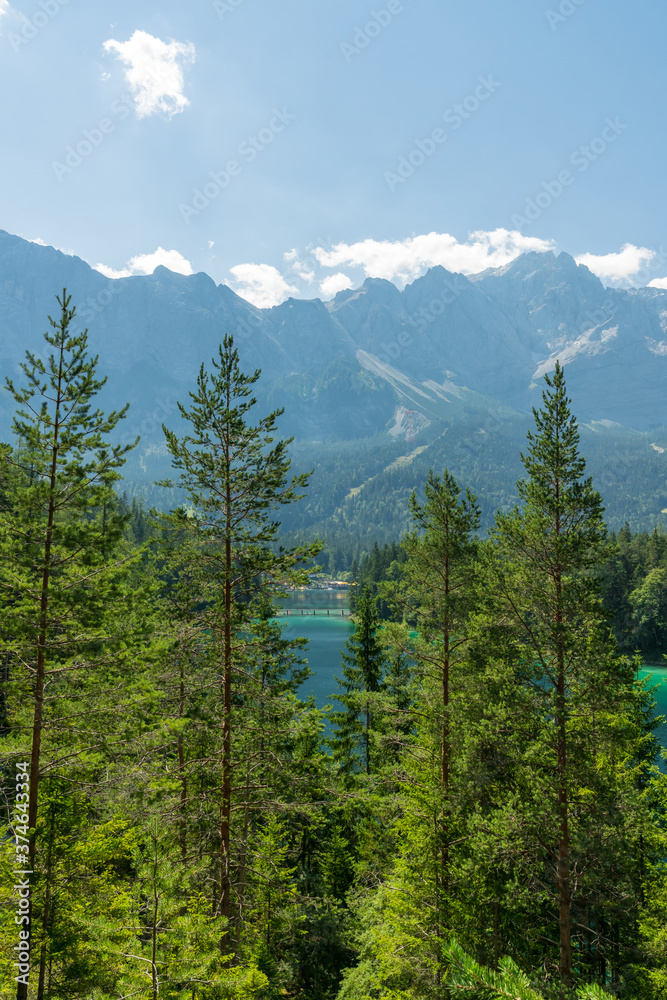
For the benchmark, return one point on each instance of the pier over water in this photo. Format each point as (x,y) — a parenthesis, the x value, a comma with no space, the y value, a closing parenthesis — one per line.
(326,612)
(326,633)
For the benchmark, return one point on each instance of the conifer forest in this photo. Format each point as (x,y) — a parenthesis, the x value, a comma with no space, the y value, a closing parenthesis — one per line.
(480,812)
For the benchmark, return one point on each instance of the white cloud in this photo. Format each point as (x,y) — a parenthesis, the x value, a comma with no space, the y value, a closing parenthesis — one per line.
(154,72)
(618,268)
(4,7)
(211,244)
(145,263)
(335,283)
(261,284)
(658,283)
(404,260)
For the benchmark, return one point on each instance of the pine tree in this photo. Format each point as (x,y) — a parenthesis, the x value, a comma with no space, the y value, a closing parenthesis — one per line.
(564,655)
(59,529)
(160,940)
(415,834)
(437,599)
(356,727)
(235,478)
(469,979)
(397,715)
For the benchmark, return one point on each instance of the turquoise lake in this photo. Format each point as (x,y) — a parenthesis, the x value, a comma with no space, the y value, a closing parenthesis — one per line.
(327,637)
(658,676)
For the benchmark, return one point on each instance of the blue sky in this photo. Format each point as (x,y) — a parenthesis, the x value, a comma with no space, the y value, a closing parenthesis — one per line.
(296,147)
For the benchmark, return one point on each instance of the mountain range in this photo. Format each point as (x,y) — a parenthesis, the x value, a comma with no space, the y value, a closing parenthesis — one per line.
(376,367)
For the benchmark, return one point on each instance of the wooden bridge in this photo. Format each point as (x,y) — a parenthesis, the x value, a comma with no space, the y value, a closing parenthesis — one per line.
(326,612)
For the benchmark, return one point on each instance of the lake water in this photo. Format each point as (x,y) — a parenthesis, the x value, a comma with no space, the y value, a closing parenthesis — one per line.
(327,637)
(658,676)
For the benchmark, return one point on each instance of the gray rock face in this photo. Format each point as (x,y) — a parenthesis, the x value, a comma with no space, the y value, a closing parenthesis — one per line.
(342,370)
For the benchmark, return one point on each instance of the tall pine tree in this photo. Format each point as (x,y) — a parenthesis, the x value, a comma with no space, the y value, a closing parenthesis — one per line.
(236,479)
(59,532)
(551,545)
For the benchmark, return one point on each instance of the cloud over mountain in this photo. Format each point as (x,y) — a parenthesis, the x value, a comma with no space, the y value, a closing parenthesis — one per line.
(145,263)
(618,268)
(261,284)
(401,261)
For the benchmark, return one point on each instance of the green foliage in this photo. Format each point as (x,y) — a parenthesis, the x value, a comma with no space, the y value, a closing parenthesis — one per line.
(574,801)
(379,566)
(467,978)
(201,833)
(649,612)
(67,609)
(353,741)
(525,789)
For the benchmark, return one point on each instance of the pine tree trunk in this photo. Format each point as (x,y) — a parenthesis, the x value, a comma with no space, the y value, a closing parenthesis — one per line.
(226,805)
(156,901)
(241,886)
(615,951)
(445,752)
(445,749)
(46,922)
(563,876)
(563,873)
(563,866)
(22,991)
(40,672)
(367,735)
(181,771)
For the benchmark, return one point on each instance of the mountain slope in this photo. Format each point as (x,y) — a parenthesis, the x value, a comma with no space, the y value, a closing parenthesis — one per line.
(448,360)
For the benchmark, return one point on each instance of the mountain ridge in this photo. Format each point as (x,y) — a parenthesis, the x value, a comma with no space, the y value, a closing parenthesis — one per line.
(494,333)
(446,370)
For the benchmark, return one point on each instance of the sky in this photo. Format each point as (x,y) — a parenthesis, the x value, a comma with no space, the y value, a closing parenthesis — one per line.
(296,147)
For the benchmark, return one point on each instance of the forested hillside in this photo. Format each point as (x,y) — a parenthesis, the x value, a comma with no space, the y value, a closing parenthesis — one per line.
(358,492)
(479,815)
